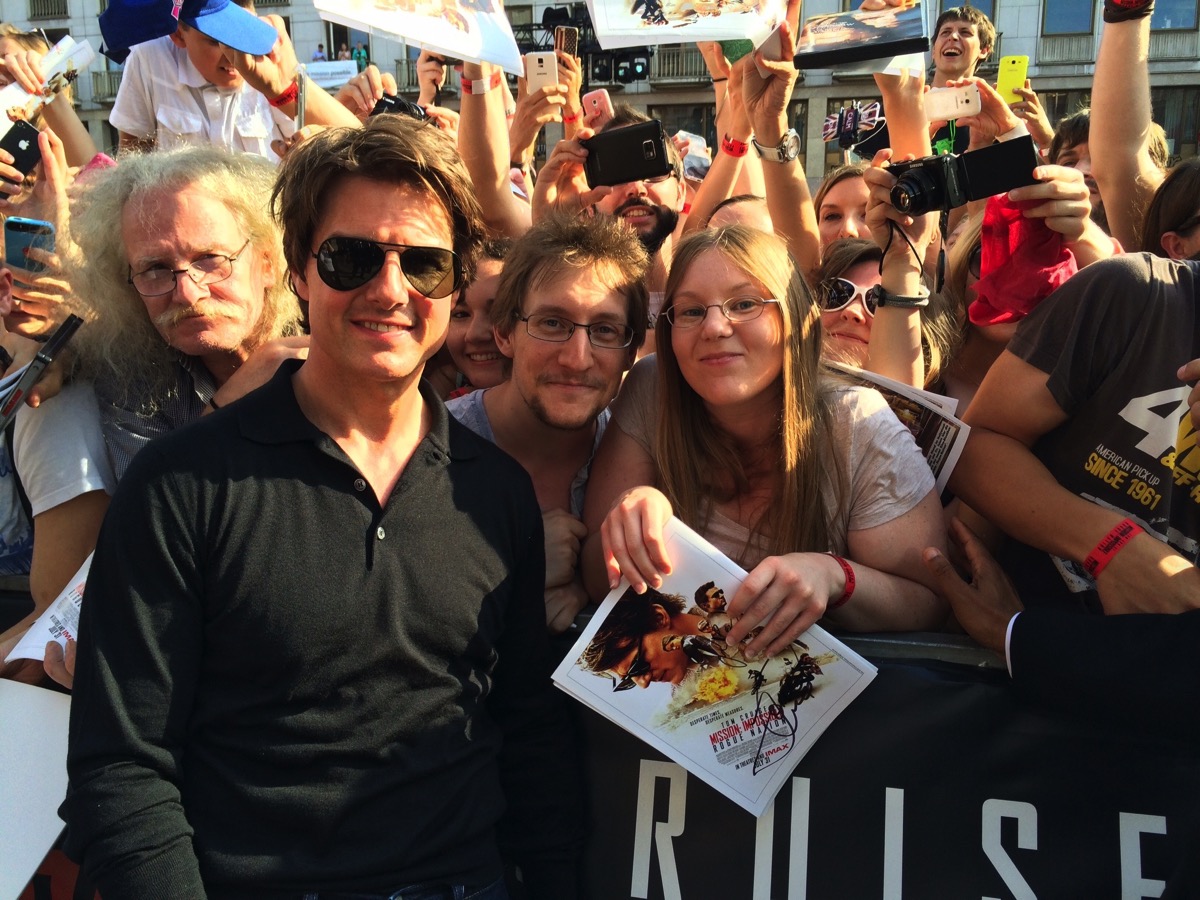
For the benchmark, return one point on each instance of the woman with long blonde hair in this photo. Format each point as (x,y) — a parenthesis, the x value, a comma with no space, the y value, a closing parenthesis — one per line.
(811,484)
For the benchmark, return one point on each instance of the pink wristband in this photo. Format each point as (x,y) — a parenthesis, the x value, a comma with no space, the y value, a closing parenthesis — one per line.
(1109,545)
(848,592)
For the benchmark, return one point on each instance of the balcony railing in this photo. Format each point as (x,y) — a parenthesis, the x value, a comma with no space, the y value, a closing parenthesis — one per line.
(677,64)
(48,9)
(105,85)
(1174,44)
(406,79)
(1066,48)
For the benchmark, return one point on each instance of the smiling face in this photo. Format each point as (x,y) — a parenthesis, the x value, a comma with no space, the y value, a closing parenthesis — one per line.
(843,211)
(956,49)
(568,384)
(470,340)
(847,331)
(652,210)
(384,330)
(727,365)
(208,56)
(171,229)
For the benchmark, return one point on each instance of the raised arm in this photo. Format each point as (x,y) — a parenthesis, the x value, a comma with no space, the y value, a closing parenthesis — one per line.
(1119,131)
(483,144)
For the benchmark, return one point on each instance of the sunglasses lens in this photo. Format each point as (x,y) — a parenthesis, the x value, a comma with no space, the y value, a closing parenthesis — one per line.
(837,294)
(872,299)
(431,270)
(347,263)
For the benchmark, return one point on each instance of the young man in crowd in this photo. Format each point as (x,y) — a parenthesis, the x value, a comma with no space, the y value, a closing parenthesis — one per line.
(570,312)
(312,648)
(188,290)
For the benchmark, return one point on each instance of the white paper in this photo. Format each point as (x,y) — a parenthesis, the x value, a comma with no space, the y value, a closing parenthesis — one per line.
(33,779)
(683,21)
(479,32)
(61,66)
(59,622)
(739,725)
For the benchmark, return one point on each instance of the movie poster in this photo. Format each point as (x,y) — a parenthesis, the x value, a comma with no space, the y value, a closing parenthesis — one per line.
(658,665)
(632,23)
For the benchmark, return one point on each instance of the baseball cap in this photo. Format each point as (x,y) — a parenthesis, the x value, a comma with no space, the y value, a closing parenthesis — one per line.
(127,23)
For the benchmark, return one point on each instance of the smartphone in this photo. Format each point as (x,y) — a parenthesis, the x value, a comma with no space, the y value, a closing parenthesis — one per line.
(1013,72)
(34,372)
(392,104)
(21,233)
(301,95)
(944,104)
(566,39)
(21,140)
(597,108)
(735,50)
(634,153)
(541,70)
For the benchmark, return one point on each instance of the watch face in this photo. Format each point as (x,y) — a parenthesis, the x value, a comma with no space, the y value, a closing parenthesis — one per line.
(790,145)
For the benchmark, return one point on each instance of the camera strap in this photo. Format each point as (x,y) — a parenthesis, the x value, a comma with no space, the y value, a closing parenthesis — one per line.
(943,223)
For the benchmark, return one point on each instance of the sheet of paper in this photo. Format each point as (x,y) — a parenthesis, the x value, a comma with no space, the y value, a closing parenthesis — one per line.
(59,622)
(33,779)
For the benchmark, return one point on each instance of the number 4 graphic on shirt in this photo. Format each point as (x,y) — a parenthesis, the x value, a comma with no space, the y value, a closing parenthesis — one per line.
(1161,431)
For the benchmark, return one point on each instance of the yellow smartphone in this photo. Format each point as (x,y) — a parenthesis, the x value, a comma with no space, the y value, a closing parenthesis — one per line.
(1013,72)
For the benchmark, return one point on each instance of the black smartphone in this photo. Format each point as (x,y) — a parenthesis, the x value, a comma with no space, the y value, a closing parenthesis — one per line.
(633,153)
(391,104)
(20,233)
(21,141)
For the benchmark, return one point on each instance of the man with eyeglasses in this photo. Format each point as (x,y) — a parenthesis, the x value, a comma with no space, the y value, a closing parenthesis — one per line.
(570,312)
(182,265)
(312,655)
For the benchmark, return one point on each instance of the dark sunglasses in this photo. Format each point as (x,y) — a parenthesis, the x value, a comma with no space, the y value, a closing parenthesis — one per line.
(346,263)
(637,668)
(838,293)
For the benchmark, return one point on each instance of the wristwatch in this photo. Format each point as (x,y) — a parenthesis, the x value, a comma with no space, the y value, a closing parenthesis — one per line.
(788,149)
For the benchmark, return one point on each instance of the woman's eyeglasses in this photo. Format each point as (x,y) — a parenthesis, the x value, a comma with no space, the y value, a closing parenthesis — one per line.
(735,309)
(838,293)
(346,263)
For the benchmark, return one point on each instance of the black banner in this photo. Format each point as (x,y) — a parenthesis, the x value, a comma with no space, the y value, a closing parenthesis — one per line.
(937,782)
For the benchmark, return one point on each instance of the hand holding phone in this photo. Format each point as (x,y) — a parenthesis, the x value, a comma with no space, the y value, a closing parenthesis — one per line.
(566,39)
(597,109)
(21,142)
(945,104)
(21,234)
(1013,72)
(622,155)
(541,70)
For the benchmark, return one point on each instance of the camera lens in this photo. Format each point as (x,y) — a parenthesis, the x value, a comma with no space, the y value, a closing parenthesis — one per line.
(916,192)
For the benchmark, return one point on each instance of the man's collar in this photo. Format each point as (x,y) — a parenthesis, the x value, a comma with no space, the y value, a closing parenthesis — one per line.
(189,75)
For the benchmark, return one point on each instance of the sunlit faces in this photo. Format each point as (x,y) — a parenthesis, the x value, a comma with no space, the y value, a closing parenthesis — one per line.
(384,330)
(847,331)
(956,49)
(567,384)
(843,211)
(208,56)
(172,229)
(652,210)
(470,340)
(727,364)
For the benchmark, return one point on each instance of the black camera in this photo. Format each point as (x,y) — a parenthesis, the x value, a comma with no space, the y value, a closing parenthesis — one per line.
(949,181)
(391,104)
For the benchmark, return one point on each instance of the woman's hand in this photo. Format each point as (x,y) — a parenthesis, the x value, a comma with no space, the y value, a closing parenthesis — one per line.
(431,75)
(39,299)
(632,538)
(785,595)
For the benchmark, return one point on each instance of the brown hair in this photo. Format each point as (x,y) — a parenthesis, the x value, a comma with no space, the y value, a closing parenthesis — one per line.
(1174,203)
(388,149)
(559,243)
(630,620)
(699,463)
(983,26)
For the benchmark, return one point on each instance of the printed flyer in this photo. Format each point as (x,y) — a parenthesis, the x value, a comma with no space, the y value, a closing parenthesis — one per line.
(633,23)
(658,665)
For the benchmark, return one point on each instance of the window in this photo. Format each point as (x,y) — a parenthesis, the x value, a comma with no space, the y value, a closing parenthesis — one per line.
(1060,104)
(1177,110)
(695,118)
(1068,16)
(1174,15)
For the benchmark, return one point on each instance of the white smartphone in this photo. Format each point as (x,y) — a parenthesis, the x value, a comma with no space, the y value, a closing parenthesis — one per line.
(944,104)
(541,69)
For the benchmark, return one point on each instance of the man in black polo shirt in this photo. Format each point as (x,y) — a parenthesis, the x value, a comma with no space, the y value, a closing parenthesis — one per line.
(310,660)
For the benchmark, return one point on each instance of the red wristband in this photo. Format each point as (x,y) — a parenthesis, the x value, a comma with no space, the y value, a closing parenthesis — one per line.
(848,592)
(481,85)
(571,118)
(730,147)
(1099,558)
(288,96)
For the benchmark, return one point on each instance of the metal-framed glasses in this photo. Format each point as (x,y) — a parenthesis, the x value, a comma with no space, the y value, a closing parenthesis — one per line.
(556,329)
(637,669)
(735,309)
(346,263)
(208,269)
(838,293)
